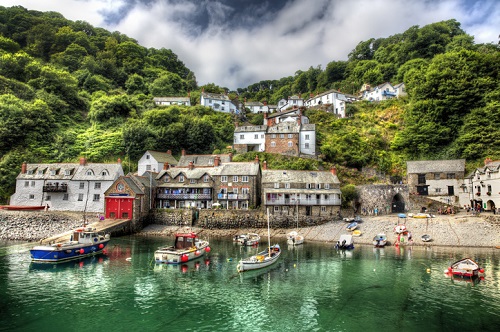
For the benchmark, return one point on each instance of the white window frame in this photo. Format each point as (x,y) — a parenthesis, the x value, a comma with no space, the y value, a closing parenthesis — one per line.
(244,178)
(223,178)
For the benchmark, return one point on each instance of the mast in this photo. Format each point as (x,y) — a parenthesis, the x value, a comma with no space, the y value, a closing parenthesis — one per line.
(268,234)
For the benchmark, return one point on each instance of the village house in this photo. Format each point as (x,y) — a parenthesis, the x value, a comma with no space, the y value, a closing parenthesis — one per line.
(311,193)
(484,186)
(202,159)
(382,92)
(154,161)
(218,102)
(130,197)
(65,186)
(169,101)
(334,101)
(291,102)
(440,180)
(287,132)
(256,107)
(229,185)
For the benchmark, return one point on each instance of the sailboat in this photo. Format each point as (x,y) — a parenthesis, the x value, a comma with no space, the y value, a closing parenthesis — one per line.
(263,258)
(294,238)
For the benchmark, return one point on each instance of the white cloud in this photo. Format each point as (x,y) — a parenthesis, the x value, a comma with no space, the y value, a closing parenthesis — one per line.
(304,33)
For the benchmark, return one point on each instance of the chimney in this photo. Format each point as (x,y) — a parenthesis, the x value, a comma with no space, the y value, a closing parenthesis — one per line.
(311,95)
(264,165)
(202,90)
(333,170)
(191,165)
(169,152)
(257,159)
(487,161)
(165,166)
(230,156)
(119,161)
(265,102)
(83,161)
(216,161)
(24,168)
(189,94)
(183,152)
(236,124)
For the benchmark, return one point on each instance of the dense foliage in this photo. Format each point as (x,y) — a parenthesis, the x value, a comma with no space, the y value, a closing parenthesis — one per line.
(68,89)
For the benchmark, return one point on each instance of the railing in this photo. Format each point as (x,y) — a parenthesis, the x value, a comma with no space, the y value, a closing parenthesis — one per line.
(303,202)
(233,196)
(51,188)
(184,196)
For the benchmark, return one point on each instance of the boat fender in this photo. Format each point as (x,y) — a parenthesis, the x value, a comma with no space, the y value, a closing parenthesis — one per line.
(207,249)
(481,270)
(197,252)
(184,258)
(82,251)
(101,245)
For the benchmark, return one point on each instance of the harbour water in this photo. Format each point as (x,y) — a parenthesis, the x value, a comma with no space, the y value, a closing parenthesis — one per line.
(312,288)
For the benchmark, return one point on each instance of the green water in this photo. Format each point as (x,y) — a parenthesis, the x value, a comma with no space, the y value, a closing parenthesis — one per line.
(311,288)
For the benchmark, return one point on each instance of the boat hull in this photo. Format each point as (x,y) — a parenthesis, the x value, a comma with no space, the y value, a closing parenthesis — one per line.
(66,252)
(177,256)
(259,261)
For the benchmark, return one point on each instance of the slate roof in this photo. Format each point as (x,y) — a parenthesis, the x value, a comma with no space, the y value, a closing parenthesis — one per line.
(435,166)
(273,176)
(77,172)
(250,128)
(163,157)
(202,159)
(241,168)
(215,96)
(112,171)
(171,99)
(492,166)
(284,127)
(60,169)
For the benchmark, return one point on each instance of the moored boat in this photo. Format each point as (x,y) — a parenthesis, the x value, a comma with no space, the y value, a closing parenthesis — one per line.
(352,226)
(345,242)
(262,259)
(400,229)
(426,238)
(380,240)
(249,239)
(187,246)
(84,242)
(23,207)
(465,267)
(294,238)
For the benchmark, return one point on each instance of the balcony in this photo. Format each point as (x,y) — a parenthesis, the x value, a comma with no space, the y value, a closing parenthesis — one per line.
(302,202)
(55,188)
(233,196)
(185,196)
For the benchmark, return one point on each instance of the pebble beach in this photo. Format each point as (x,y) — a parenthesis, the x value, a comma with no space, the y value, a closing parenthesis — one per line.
(461,229)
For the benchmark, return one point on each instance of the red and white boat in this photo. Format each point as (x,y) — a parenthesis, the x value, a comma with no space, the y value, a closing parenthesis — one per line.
(187,246)
(465,268)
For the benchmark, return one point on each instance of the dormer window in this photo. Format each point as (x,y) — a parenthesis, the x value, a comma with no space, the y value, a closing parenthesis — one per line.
(181,178)
(104,173)
(30,172)
(67,172)
(89,172)
(53,172)
(40,172)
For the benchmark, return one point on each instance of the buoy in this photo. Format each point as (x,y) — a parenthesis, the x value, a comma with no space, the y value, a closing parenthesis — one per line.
(184,258)
(197,252)
(82,251)
(207,249)
(481,270)
(101,245)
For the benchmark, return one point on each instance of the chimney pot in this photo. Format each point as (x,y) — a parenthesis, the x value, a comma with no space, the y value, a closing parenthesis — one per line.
(487,161)
(183,152)
(169,152)
(264,165)
(333,170)
(191,165)
(24,168)
(83,161)
(119,161)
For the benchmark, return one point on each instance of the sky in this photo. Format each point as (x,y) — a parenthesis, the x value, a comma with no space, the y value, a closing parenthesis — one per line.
(235,43)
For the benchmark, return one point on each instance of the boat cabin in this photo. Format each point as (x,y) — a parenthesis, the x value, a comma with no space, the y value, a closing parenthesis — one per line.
(85,235)
(185,240)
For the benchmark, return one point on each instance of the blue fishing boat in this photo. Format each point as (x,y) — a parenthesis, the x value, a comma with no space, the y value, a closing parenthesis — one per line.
(352,226)
(84,242)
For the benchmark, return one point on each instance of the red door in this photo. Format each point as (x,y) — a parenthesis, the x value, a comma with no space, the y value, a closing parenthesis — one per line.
(119,207)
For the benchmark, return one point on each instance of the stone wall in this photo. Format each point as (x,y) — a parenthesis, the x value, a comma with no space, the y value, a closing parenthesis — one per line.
(380,197)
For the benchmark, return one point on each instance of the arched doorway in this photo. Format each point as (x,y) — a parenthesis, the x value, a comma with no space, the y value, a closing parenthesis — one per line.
(398,204)
(490,206)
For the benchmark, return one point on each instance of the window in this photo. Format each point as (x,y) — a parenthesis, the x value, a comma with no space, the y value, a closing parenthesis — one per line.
(290,135)
(273,136)
(80,197)
(30,172)
(82,185)
(96,197)
(318,185)
(287,185)
(97,185)
(67,172)
(489,188)
(285,208)
(308,186)
(235,190)
(26,183)
(244,205)
(276,209)
(437,176)
(40,172)
(235,178)
(327,186)
(32,196)
(32,183)
(290,144)
(282,135)
(323,209)
(53,172)
(276,185)
(206,178)
(438,190)
(192,181)
(245,191)
(211,161)
(242,136)
(223,178)
(48,198)
(89,172)
(273,144)
(307,137)
(147,156)
(306,146)
(244,178)
(65,197)
(421,179)
(181,178)
(256,136)
(148,167)
(450,175)
(262,136)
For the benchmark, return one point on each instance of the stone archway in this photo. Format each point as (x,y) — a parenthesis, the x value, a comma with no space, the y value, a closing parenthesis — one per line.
(490,206)
(398,204)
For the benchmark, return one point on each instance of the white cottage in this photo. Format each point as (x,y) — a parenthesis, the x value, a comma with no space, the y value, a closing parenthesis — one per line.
(155,161)
(382,92)
(334,100)
(64,186)
(218,102)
